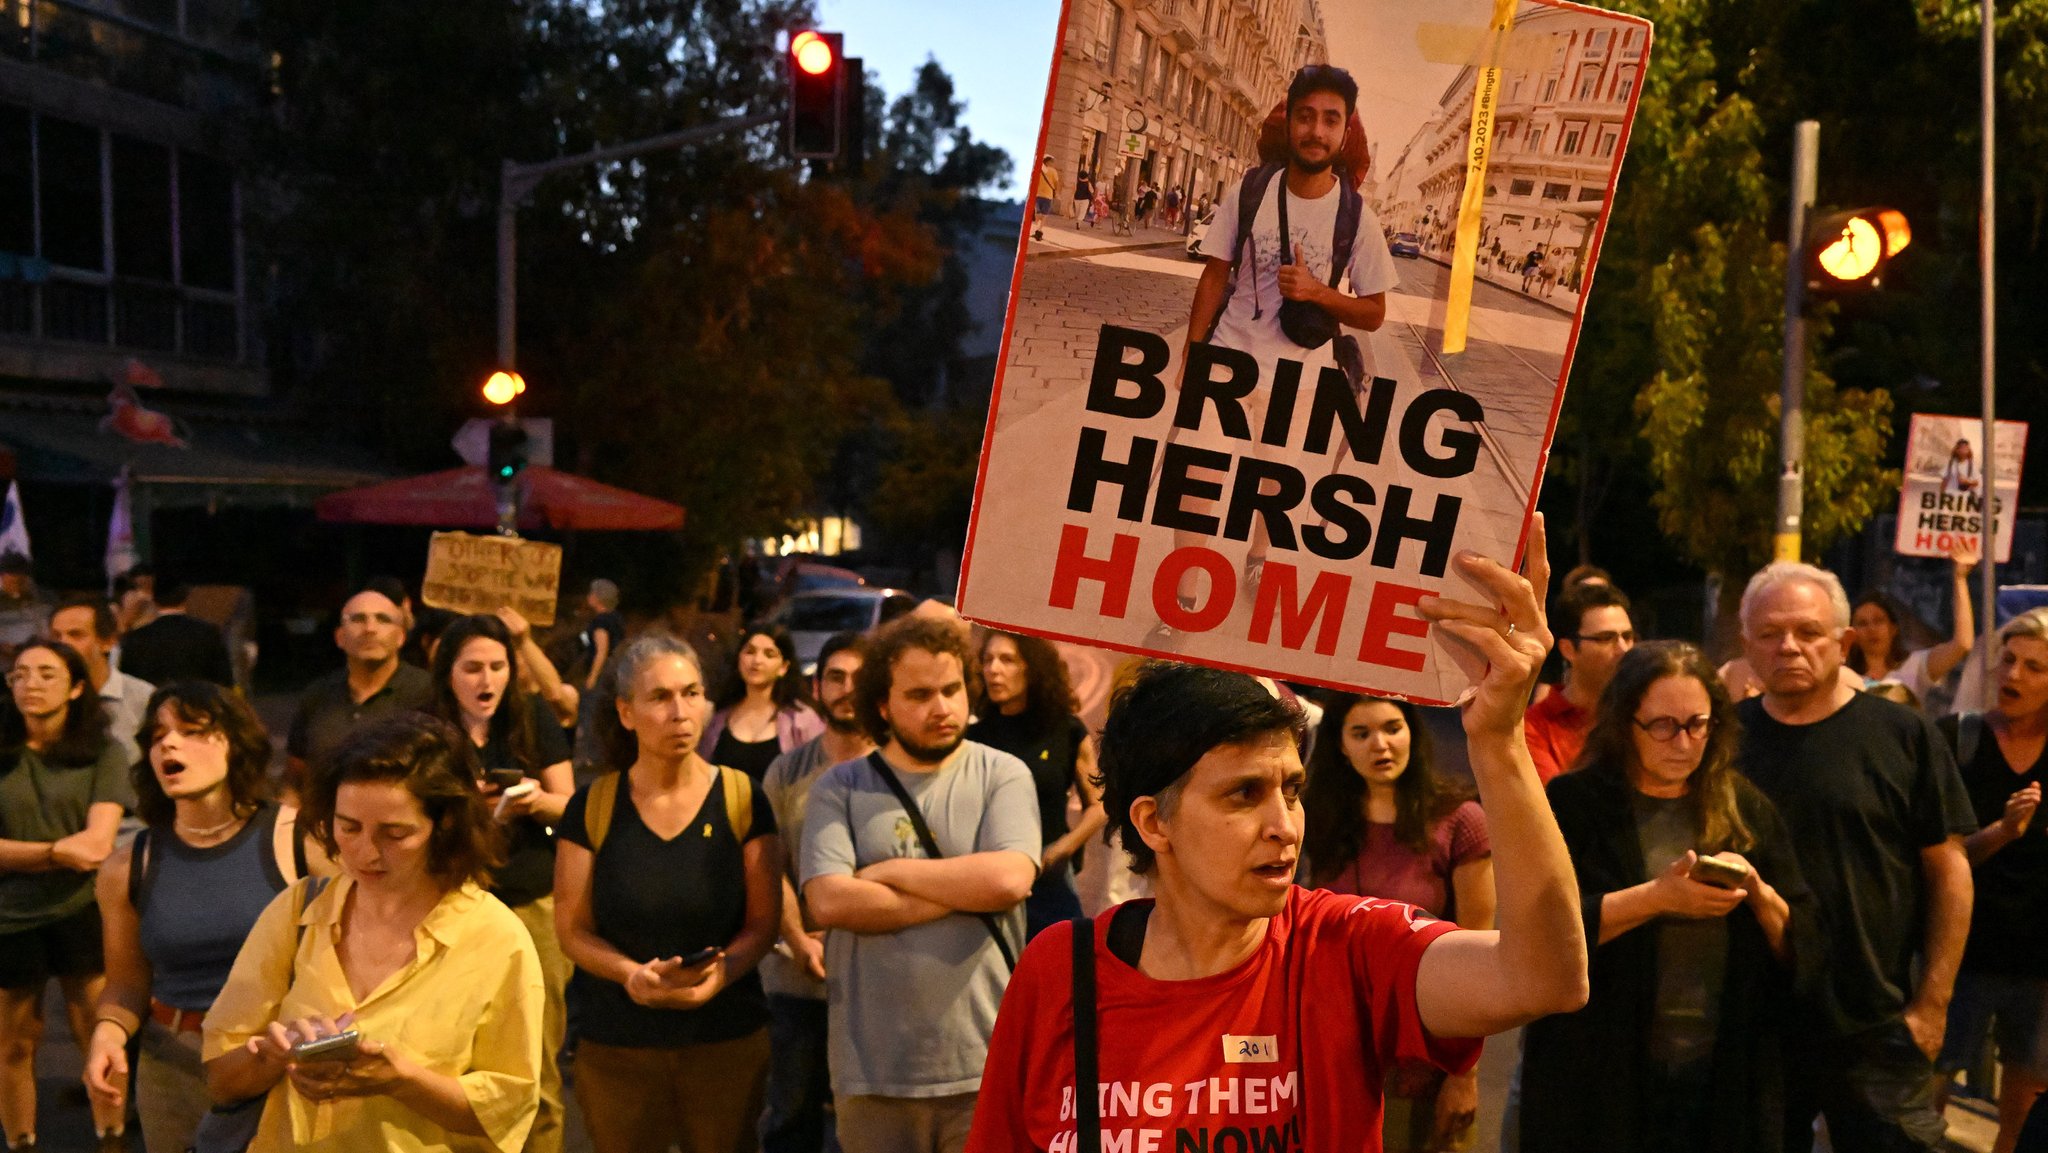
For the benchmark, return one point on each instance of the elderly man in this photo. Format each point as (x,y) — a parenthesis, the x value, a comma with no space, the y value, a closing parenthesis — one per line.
(1879,814)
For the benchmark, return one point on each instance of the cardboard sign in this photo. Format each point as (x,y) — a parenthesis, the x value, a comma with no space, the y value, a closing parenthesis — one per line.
(480,574)
(1238,497)
(1941,501)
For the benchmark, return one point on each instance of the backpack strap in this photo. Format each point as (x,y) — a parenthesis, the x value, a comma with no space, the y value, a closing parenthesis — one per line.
(739,801)
(1350,209)
(597,808)
(141,869)
(1087,1076)
(1251,193)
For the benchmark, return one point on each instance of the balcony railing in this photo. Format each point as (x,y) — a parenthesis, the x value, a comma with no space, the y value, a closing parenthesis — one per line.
(40,303)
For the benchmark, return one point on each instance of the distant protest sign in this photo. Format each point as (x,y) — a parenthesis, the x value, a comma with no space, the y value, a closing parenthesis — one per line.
(481,574)
(1941,503)
(1180,458)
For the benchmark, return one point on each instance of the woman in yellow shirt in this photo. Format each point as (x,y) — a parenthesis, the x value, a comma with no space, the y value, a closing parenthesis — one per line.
(438,978)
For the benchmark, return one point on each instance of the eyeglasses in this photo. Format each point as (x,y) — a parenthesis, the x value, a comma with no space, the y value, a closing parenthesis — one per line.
(1625,636)
(370,619)
(1667,728)
(36,676)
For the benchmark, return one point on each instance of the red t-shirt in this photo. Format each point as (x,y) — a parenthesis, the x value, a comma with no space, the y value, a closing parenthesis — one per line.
(1556,730)
(1283,1052)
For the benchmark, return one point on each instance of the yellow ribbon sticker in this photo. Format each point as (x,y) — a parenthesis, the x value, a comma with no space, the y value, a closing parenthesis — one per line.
(1465,253)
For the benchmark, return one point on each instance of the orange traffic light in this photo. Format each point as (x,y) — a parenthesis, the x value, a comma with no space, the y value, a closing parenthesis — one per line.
(1848,251)
(504,387)
(817,83)
(812,53)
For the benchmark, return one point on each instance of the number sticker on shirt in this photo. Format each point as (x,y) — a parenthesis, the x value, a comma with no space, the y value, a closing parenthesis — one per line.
(1249,1050)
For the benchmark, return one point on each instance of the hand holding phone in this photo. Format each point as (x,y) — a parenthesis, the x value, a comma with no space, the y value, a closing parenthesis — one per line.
(524,788)
(339,1047)
(1721,874)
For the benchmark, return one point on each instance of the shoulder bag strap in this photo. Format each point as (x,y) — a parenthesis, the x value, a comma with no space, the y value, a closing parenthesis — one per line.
(597,809)
(1250,193)
(739,801)
(1350,208)
(1969,734)
(141,869)
(931,848)
(1087,1075)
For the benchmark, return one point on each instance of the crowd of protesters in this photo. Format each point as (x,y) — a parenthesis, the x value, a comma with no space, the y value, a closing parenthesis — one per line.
(765,909)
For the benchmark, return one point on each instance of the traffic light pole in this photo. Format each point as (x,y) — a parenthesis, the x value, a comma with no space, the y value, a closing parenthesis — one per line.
(516,182)
(1785,541)
(1987,260)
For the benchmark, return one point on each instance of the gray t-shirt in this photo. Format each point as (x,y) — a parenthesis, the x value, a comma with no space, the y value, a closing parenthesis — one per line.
(788,787)
(1692,953)
(911,1011)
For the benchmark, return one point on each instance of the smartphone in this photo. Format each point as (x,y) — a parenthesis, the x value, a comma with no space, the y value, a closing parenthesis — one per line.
(1719,873)
(700,956)
(503,778)
(340,1047)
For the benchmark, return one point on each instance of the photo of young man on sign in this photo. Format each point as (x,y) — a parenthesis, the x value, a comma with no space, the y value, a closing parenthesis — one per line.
(1266,460)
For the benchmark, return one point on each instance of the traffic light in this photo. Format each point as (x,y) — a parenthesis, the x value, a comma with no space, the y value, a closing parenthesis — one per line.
(817,84)
(506,457)
(1848,252)
(504,387)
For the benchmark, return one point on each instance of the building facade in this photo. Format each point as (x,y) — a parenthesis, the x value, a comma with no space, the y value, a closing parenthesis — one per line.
(1565,91)
(1172,92)
(120,208)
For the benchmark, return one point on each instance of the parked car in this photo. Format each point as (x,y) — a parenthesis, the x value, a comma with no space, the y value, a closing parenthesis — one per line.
(812,617)
(1405,244)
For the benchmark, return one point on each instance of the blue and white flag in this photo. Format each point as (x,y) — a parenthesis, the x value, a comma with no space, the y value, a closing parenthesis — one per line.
(13,529)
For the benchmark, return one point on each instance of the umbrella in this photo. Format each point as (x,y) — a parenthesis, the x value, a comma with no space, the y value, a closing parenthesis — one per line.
(465,498)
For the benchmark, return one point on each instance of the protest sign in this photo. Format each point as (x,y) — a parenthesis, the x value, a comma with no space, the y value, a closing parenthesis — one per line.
(1941,502)
(480,574)
(1173,463)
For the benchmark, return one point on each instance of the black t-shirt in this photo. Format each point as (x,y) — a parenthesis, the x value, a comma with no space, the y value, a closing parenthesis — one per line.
(1048,752)
(749,757)
(653,898)
(528,873)
(2009,924)
(1863,792)
(613,626)
(177,647)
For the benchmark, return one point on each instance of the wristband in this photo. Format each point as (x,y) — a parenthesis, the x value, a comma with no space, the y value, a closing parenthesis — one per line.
(106,1019)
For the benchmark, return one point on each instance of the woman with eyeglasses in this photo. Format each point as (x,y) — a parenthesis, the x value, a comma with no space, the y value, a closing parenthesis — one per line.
(1700,927)
(63,790)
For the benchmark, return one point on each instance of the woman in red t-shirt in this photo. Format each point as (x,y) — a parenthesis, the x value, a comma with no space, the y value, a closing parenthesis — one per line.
(1238,1010)
(1382,823)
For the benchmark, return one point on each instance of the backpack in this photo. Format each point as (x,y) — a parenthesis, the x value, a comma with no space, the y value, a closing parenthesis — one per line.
(1251,195)
(604,798)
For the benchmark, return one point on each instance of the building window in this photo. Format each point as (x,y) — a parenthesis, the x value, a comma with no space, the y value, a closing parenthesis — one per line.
(1554,191)
(1592,193)
(1574,135)
(17,183)
(1521,187)
(206,223)
(1108,32)
(1535,140)
(1511,219)
(1608,140)
(142,209)
(1549,89)
(71,188)
(1141,51)
(1161,61)
(1589,84)
(1598,40)
(1626,86)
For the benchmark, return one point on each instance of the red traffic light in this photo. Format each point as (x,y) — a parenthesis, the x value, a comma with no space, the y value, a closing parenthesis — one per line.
(813,53)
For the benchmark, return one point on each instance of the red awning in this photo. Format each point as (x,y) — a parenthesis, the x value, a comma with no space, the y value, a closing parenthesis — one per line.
(463,498)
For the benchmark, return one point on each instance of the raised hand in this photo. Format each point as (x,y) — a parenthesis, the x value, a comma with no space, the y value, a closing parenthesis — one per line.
(1500,638)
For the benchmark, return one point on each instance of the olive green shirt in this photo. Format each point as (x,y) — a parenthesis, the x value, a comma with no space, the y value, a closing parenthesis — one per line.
(40,801)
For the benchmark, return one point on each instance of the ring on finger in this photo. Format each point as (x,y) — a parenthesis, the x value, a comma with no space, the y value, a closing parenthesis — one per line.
(1510,634)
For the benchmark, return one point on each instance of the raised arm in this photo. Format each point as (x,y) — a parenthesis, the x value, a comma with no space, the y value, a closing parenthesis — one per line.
(1092,816)
(1475,983)
(1944,657)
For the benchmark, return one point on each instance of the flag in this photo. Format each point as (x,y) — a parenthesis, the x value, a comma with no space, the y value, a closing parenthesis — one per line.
(13,529)
(120,534)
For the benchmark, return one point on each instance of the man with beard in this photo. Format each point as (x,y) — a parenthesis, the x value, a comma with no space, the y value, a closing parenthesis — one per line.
(1255,273)
(794,974)
(921,856)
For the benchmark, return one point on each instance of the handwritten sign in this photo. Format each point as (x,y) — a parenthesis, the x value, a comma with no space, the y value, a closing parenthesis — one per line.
(480,574)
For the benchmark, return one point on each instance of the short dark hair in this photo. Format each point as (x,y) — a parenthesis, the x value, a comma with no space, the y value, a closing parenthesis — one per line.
(1170,716)
(85,719)
(839,643)
(103,625)
(213,709)
(388,587)
(438,766)
(878,665)
(1573,606)
(14,563)
(1314,78)
(129,581)
(171,593)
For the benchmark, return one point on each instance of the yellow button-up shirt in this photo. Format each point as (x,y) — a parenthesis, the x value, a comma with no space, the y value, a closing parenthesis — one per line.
(469,1005)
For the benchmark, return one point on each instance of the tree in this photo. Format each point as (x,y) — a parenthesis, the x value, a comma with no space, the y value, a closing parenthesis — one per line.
(1687,325)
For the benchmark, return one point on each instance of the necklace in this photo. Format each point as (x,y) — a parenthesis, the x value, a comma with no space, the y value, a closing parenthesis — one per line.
(214,831)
